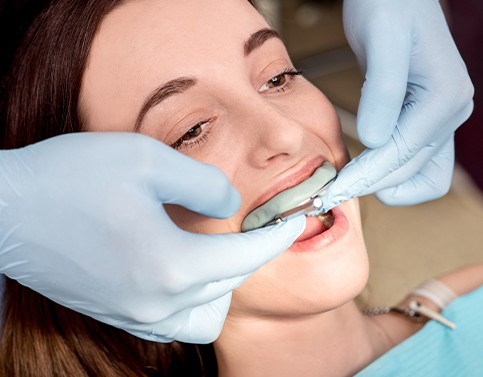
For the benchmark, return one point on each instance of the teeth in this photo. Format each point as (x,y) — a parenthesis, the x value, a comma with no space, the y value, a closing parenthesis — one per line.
(327,219)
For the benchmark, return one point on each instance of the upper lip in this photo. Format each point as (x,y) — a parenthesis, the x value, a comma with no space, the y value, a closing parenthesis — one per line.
(289,179)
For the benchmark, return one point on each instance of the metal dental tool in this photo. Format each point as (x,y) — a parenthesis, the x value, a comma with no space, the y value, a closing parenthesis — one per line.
(304,198)
(304,208)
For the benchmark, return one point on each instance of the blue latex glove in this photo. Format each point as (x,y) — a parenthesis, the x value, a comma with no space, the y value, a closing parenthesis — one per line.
(81,222)
(416,93)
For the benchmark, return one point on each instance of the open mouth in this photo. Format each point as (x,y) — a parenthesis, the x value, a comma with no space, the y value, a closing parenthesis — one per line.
(322,231)
(299,199)
(317,225)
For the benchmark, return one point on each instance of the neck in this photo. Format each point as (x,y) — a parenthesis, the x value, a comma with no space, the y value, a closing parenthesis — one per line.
(335,343)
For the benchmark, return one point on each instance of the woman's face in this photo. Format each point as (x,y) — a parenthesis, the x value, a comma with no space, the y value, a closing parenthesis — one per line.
(211,79)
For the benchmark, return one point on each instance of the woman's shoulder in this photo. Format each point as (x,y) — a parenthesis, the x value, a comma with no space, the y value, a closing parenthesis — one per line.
(436,349)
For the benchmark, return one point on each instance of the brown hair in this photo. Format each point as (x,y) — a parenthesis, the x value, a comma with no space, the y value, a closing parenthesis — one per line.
(43,339)
(40,100)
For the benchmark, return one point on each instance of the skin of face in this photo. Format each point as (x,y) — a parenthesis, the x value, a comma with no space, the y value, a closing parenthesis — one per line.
(264,129)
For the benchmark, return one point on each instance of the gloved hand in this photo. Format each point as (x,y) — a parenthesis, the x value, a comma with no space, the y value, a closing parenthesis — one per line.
(82,223)
(416,93)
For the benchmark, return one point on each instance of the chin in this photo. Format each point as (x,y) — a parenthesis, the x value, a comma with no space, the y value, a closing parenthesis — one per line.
(312,282)
(314,295)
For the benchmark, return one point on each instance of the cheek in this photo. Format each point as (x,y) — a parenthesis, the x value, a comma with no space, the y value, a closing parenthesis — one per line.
(321,120)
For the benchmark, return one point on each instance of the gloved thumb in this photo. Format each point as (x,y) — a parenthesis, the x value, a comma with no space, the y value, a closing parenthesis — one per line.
(199,187)
(358,177)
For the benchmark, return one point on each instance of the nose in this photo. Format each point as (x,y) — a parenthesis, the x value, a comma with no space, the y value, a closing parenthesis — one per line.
(274,134)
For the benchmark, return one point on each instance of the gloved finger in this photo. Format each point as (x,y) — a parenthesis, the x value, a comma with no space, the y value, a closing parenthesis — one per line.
(432,181)
(402,157)
(421,132)
(200,187)
(358,176)
(209,292)
(378,169)
(374,170)
(206,321)
(415,150)
(199,325)
(223,256)
(384,87)
(424,120)
(411,166)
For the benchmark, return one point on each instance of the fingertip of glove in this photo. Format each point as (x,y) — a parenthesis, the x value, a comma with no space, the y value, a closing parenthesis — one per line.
(292,228)
(374,132)
(376,121)
(215,196)
(370,140)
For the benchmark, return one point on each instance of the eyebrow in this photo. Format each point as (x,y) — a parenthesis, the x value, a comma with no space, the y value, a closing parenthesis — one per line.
(181,84)
(259,38)
(172,87)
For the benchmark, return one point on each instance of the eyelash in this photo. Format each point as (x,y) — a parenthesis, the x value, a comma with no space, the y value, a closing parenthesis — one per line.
(290,72)
(191,141)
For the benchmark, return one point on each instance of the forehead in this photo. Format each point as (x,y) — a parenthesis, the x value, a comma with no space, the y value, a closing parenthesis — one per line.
(168,22)
(144,43)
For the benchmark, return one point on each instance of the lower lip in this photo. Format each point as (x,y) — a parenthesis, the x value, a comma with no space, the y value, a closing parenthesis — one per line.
(337,231)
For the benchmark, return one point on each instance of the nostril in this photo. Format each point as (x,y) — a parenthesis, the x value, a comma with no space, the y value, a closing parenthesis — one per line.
(277,156)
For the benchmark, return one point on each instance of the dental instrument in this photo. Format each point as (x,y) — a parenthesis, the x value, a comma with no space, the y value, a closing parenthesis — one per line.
(302,199)
(306,208)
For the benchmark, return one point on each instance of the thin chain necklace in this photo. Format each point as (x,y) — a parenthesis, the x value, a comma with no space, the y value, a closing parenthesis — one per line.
(416,311)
